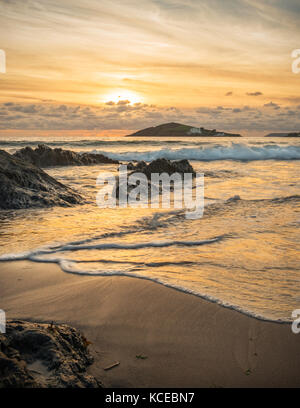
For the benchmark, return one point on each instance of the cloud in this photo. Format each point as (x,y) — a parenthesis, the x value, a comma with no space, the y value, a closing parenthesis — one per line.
(53,116)
(122,103)
(272,105)
(254,93)
(165,50)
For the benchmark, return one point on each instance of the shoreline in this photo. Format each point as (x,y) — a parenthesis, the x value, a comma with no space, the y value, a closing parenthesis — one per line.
(188,341)
(180,289)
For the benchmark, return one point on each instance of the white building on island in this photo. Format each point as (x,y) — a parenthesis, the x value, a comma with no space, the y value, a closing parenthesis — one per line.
(195,130)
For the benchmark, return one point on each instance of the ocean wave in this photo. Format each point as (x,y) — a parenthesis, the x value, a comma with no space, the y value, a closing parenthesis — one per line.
(139,245)
(281,200)
(35,255)
(51,254)
(239,152)
(71,267)
(266,201)
(195,150)
(91,142)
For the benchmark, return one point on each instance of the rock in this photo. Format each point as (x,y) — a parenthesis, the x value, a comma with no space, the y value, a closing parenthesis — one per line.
(162,166)
(36,355)
(234,198)
(44,156)
(23,185)
(156,166)
(136,166)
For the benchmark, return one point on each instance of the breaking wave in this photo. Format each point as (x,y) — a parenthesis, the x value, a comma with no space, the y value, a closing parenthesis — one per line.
(34,255)
(71,266)
(240,152)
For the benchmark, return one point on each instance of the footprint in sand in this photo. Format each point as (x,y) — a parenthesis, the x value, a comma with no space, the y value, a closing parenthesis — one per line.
(245,349)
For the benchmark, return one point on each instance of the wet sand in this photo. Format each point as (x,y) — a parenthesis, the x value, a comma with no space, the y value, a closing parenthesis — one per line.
(188,341)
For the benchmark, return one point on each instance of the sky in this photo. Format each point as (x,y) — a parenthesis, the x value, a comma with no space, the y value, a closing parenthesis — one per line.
(129,64)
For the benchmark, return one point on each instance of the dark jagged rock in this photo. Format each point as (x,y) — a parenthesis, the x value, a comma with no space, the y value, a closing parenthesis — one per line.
(36,355)
(156,166)
(23,185)
(44,156)
(162,166)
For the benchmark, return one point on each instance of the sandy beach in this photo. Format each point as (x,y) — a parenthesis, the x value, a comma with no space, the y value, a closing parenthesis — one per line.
(188,341)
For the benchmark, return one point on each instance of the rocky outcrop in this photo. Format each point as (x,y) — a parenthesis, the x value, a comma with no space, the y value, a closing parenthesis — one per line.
(23,185)
(44,156)
(158,166)
(36,355)
(162,166)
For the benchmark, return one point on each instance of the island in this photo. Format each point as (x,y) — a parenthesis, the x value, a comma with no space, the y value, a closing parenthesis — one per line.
(291,134)
(178,129)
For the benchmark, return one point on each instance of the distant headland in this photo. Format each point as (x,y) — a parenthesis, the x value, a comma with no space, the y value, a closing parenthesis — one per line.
(291,134)
(178,129)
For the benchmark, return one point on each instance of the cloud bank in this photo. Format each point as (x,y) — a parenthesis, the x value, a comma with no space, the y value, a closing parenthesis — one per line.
(123,115)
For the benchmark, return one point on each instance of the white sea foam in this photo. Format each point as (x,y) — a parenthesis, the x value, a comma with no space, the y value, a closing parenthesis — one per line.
(37,253)
(140,245)
(235,151)
(71,267)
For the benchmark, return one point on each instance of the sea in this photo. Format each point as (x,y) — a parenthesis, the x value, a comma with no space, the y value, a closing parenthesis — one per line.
(243,253)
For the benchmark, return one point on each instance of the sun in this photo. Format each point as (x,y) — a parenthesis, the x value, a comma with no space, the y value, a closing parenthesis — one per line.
(122,95)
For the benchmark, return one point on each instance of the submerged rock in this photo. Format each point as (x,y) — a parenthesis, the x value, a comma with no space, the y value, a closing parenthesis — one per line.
(233,199)
(44,156)
(46,356)
(23,185)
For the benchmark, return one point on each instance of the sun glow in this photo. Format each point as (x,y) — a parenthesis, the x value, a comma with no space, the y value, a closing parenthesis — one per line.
(123,95)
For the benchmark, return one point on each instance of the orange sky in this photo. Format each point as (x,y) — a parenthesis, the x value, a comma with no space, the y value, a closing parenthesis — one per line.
(183,54)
